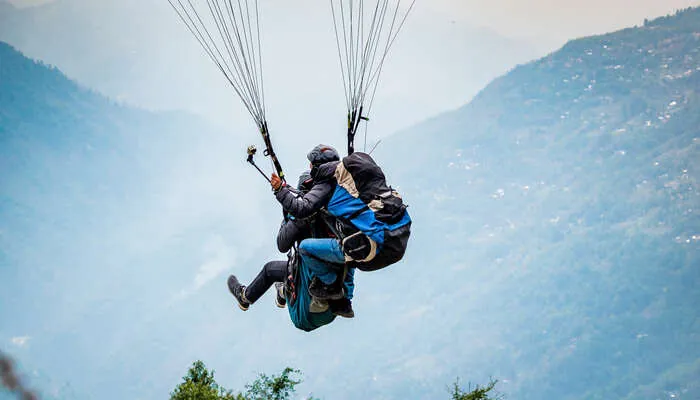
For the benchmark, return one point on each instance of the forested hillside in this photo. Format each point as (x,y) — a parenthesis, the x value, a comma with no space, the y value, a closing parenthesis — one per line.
(563,204)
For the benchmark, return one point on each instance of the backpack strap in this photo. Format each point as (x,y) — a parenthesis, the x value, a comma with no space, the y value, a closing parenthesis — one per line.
(357,213)
(292,281)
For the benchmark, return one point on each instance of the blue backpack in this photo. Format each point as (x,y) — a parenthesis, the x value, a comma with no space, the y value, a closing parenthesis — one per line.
(373,223)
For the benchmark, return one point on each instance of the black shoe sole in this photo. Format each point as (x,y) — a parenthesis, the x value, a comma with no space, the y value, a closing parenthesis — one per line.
(230,283)
(345,315)
(280,301)
(329,296)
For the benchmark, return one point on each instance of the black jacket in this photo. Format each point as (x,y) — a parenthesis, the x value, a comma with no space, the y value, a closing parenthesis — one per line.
(291,231)
(315,199)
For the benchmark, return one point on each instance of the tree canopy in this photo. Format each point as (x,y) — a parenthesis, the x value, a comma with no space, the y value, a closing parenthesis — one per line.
(199,384)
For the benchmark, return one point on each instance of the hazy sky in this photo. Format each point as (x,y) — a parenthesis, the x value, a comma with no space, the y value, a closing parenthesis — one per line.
(174,74)
(554,20)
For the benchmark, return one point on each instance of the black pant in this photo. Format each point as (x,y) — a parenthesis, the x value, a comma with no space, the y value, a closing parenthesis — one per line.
(274,271)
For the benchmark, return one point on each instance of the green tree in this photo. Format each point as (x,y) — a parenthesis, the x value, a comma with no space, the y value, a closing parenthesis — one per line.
(279,387)
(478,393)
(199,384)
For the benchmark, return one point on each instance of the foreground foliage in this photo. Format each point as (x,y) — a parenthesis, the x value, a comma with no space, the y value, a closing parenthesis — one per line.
(478,393)
(199,384)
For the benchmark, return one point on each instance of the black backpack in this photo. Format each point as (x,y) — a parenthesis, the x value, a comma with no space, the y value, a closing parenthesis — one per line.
(362,200)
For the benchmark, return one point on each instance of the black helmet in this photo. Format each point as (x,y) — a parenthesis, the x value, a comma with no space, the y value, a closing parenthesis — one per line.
(305,181)
(322,154)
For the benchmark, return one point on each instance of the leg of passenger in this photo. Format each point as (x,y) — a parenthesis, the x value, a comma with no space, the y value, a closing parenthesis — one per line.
(350,283)
(325,284)
(325,272)
(327,250)
(343,307)
(273,271)
(324,249)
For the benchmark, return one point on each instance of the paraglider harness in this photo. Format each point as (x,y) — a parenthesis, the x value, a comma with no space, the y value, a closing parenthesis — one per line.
(294,260)
(370,218)
(292,281)
(290,284)
(293,257)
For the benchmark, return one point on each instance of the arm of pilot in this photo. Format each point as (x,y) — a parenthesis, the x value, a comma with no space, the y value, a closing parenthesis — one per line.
(310,203)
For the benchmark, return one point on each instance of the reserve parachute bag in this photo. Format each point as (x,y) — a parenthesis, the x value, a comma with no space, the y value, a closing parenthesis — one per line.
(374,223)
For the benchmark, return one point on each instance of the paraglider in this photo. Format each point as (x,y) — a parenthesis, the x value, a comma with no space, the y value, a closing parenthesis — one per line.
(366,222)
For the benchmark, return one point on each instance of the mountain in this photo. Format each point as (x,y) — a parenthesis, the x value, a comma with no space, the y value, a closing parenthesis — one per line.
(92,42)
(564,200)
(106,213)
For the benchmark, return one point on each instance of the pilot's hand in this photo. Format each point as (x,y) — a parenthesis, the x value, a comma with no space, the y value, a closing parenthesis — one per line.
(276,182)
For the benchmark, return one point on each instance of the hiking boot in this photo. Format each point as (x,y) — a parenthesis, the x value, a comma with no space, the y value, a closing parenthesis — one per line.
(317,305)
(342,308)
(238,291)
(280,300)
(322,291)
